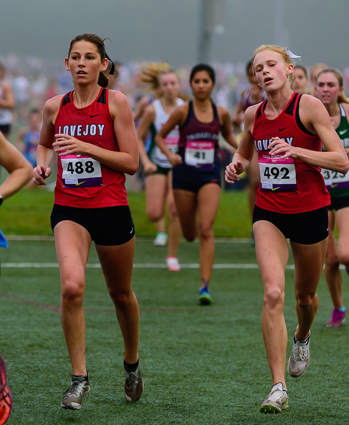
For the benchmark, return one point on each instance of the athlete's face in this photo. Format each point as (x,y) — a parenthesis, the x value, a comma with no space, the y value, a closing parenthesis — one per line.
(328,88)
(300,81)
(85,62)
(35,120)
(202,85)
(271,70)
(169,86)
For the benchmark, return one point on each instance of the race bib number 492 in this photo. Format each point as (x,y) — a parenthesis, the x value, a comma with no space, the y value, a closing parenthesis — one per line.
(277,175)
(81,171)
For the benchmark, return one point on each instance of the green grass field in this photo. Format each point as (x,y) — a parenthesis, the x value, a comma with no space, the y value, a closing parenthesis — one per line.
(28,213)
(201,365)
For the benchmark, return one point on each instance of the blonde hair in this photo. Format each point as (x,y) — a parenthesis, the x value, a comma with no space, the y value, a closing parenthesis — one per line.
(341,98)
(150,74)
(317,65)
(281,50)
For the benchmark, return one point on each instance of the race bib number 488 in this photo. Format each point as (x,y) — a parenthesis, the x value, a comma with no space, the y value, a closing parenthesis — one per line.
(81,171)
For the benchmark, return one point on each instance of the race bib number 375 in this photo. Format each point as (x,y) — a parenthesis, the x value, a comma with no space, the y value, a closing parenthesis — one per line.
(81,171)
(277,175)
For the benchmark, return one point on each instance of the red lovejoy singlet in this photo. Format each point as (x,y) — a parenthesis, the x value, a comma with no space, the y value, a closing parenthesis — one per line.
(287,186)
(83,182)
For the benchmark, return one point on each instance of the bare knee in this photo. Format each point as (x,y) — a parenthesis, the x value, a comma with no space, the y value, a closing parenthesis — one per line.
(274,297)
(305,299)
(205,230)
(332,262)
(154,214)
(190,235)
(121,299)
(73,291)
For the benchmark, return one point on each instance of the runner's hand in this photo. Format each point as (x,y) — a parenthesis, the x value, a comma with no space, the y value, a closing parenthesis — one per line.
(149,167)
(174,159)
(68,145)
(232,172)
(41,173)
(281,148)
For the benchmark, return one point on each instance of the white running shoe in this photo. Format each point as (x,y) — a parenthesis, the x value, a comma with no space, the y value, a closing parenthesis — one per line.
(276,402)
(172,264)
(161,239)
(300,358)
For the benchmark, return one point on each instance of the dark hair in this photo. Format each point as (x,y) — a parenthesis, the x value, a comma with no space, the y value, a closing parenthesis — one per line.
(34,111)
(99,43)
(249,65)
(203,67)
(303,69)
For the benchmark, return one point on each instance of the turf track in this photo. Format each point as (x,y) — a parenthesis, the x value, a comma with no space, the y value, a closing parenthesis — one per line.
(202,365)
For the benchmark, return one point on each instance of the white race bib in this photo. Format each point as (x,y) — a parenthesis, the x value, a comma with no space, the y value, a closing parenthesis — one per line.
(199,152)
(160,158)
(277,174)
(81,171)
(335,180)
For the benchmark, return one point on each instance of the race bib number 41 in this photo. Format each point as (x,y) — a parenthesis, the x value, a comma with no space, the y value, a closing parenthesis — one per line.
(277,175)
(81,171)
(200,152)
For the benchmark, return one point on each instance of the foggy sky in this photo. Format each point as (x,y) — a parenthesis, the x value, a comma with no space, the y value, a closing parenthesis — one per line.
(168,30)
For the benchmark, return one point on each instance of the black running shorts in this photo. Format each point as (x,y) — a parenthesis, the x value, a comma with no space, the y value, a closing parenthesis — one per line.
(305,228)
(339,203)
(107,226)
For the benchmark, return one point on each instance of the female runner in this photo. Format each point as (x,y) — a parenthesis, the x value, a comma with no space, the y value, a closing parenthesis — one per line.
(196,172)
(92,130)
(300,80)
(146,78)
(287,130)
(329,88)
(251,96)
(158,181)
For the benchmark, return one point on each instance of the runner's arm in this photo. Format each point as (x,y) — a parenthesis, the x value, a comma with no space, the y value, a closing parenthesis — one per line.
(142,131)
(226,128)
(316,119)
(176,118)
(19,169)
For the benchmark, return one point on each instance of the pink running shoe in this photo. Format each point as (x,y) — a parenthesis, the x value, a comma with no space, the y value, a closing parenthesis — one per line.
(337,319)
(172,264)
(5,394)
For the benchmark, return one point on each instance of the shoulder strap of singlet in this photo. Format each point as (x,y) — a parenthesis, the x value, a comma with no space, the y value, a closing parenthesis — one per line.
(66,99)
(343,114)
(215,111)
(158,107)
(261,108)
(297,117)
(290,108)
(190,114)
(103,96)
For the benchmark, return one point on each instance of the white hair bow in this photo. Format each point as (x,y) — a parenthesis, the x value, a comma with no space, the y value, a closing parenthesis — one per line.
(292,55)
